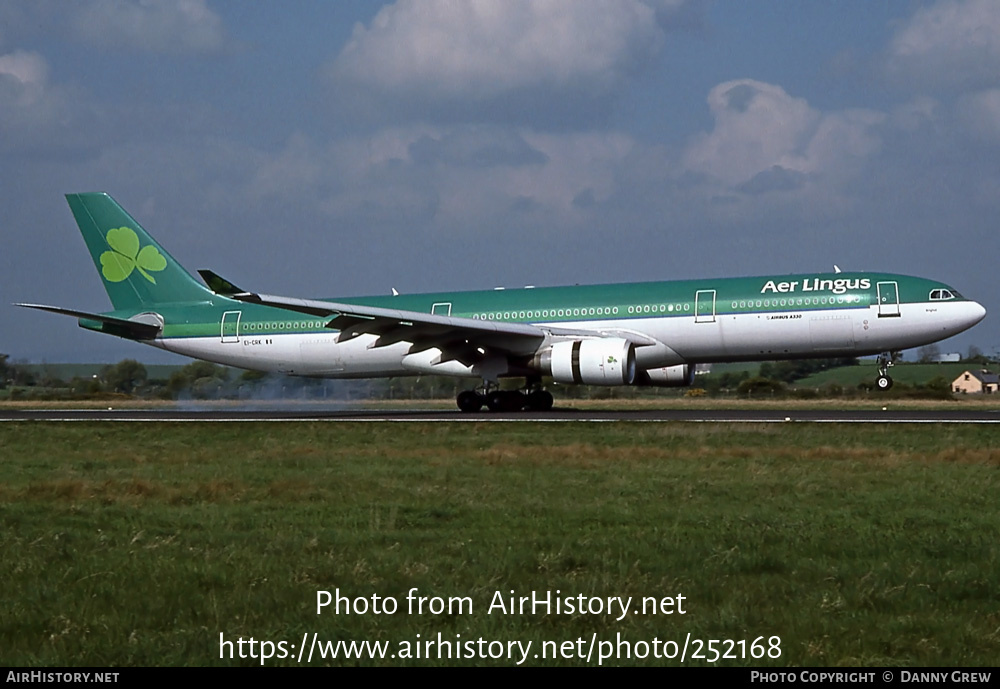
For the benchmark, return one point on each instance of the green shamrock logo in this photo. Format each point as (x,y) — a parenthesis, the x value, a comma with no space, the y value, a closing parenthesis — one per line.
(612,360)
(118,264)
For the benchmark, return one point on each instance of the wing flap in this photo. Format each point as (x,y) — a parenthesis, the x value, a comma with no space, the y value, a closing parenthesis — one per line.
(394,325)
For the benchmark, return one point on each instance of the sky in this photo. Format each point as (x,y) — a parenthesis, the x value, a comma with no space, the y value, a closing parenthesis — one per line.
(331,149)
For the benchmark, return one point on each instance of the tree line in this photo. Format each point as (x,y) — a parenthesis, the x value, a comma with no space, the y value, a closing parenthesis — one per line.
(201,380)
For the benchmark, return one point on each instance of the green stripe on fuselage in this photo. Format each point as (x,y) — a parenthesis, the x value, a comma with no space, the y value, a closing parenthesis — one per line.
(623,296)
(675,299)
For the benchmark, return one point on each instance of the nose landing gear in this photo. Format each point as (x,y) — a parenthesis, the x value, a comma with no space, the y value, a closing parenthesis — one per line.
(884,382)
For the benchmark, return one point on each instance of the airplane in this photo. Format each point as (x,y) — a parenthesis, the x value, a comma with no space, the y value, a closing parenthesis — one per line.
(651,333)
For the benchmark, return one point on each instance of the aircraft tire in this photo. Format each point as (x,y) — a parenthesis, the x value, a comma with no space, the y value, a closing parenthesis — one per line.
(516,401)
(883,382)
(495,400)
(540,400)
(505,401)
(469,401)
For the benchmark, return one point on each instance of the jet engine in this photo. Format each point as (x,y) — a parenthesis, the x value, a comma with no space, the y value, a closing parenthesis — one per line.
(680,376)
(600,361)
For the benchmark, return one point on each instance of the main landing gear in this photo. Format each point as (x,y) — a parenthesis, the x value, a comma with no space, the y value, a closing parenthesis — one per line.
(884,382)
(529,398)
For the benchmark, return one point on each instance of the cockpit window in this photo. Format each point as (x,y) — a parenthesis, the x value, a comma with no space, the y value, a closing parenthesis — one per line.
(941,294)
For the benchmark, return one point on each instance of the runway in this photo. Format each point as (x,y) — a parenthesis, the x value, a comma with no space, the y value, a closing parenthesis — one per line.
(224,415)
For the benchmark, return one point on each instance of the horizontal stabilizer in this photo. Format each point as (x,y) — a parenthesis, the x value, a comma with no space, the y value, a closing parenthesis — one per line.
(122,327)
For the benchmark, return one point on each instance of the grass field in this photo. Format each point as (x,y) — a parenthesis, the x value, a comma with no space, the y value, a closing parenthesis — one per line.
(872,401)
(138,544)
(909,373)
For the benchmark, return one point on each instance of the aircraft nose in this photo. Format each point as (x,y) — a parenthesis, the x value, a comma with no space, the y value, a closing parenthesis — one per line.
(962,316)
(977,312)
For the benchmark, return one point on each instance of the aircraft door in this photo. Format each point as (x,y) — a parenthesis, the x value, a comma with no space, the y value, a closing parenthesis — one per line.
(704,306)
(888,300)
(231,326)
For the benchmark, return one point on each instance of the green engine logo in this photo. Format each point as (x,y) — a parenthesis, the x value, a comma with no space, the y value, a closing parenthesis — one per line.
(612,360)
(118,264)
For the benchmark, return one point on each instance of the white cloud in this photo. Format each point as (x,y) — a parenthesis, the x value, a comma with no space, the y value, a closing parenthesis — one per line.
(562,168)
(290,171)
(950,44)
(920,112)
(842,139)
(467,178)
(980,114)
(34,113)
(766,139)
(757,126)
(159,26)
(480,49)
(24,75)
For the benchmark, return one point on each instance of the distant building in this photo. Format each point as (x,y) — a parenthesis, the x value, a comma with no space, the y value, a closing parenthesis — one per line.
(949,358)
(976,381)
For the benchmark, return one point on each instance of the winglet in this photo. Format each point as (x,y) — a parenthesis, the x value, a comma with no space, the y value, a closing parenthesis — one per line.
(219,284)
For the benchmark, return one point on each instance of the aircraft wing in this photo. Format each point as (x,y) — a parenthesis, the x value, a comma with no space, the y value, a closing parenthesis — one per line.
(458,338)
(462,339)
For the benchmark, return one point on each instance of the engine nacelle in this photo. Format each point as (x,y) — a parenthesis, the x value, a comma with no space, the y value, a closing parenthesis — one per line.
(601,361)
(680,376)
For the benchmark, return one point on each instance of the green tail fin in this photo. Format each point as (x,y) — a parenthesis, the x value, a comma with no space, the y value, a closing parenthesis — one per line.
(136,271)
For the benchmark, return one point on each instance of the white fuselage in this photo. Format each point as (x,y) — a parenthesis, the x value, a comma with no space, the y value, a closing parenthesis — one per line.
(726,337)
